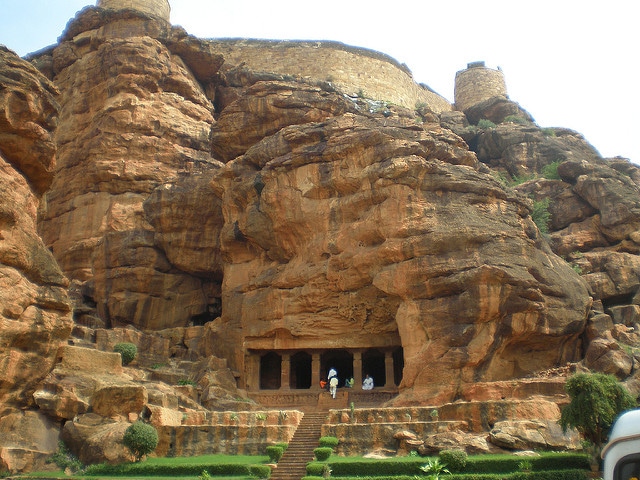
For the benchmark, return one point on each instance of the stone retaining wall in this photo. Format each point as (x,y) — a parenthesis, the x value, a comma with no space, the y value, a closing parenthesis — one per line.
(233,433)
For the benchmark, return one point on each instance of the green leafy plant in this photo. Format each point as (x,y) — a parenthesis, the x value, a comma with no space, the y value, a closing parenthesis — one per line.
(127,351)
(515,119)
(486,124)
(323,453)
(275,453)
(204,475)
(550,171)
(64,459)
(525,466)
(541,215)
(326,471)
(261,417)
(186,381)
(141,439)
(434,414)
(596,400)
(549,132)
(434,469)
(455,459)
(331,442)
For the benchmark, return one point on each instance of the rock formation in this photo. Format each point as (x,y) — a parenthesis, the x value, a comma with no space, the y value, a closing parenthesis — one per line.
(35,315)
(177,194)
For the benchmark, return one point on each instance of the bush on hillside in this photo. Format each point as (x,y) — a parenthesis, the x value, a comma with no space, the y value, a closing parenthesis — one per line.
(127,351)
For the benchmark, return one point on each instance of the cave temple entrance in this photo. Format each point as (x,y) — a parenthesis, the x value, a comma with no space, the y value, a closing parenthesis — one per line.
(282,376)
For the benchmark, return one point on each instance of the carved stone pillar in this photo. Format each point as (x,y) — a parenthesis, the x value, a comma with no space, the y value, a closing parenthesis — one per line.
(315,371)
(252,369)
(388,368)
(285,370)
(357,369)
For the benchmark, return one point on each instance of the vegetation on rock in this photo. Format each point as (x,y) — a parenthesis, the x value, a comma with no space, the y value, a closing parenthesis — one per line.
(141,439)
(127,351)
(596,401)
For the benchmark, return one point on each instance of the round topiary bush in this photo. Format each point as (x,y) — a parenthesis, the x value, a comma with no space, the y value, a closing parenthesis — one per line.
(141,439)
(323,453)
(275,453)
(127,351)
(455,459)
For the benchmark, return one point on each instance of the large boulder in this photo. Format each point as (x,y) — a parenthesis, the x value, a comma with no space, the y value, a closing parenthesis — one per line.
(376,228)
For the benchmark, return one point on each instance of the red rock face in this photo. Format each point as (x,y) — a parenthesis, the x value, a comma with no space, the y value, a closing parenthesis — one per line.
(364,231)
(35,313)
(132,116)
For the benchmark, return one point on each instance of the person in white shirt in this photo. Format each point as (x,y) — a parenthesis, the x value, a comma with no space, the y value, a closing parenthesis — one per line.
(367,383)
(333,386)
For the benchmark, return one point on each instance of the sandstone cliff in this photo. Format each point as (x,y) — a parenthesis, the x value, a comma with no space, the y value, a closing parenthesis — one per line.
(35,314)
(170,194)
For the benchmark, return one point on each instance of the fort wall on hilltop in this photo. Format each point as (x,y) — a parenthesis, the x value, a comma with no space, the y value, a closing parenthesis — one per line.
(354,71)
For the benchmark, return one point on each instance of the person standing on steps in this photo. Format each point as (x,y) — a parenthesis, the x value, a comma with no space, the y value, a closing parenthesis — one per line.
(333,386)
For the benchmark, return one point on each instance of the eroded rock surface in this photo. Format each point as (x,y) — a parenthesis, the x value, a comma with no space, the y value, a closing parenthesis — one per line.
(35,311)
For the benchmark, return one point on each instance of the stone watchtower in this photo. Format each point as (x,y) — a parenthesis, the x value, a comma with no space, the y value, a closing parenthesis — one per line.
(476,84)
(157,8)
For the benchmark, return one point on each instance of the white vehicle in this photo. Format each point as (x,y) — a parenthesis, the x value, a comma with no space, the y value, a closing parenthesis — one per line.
(622,454)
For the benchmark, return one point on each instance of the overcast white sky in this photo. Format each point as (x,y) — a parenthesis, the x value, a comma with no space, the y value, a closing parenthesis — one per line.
(570,63)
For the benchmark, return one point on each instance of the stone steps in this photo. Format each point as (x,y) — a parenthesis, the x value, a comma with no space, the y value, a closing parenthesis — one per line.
(293,464)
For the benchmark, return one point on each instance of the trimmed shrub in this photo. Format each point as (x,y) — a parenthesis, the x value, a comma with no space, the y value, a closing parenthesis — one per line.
(314,469)
(127,351)
(260,471)
(178,470)
(275,453)
(282,445)
(323,453)
(455,459)
(141,439)
(331,442)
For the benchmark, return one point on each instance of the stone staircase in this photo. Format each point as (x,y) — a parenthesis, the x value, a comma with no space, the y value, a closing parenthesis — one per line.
(293,464)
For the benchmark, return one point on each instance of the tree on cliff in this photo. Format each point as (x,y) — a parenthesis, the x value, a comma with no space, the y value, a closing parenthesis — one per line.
(596,400)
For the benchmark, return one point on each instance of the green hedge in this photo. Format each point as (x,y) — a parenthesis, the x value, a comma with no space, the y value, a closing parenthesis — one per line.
(486,464)
(331,442)
(145,470)
(547,475)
